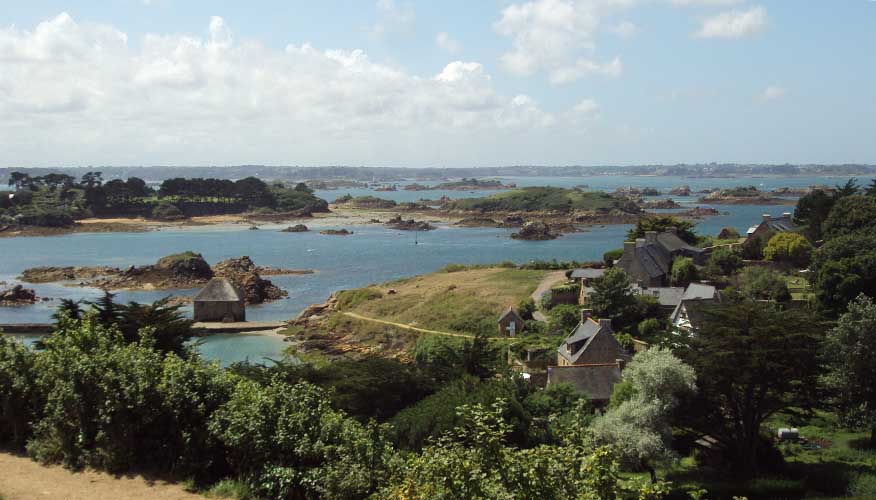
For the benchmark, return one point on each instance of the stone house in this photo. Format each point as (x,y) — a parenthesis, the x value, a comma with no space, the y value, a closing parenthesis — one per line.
(510,323)
(219,301)
(769,227)
(648,260)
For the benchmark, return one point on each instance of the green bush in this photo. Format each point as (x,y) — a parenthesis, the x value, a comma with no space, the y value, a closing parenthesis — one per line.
(47,218)
(792,248)
(19,401)
(863,485)
(612,255)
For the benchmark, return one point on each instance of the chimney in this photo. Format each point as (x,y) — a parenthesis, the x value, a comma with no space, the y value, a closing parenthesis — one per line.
(621,364)
(606,324)
(767,217)
(640,242)
(629,248)
(786,215)
(651,236)
(585,314)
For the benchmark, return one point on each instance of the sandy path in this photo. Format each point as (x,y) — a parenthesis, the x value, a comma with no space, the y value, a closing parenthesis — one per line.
(23,479)
(546,284)
(417,329)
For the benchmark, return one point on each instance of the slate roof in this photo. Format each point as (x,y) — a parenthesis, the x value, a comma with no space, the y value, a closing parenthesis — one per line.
(588,273)
(667,296)
(655,259)
(219,290)
(581,336)
(780,224)
(596,381)
(699,291)
(673,243)
(508,312)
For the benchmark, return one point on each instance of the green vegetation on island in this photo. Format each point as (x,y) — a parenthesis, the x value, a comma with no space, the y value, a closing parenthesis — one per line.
(552,199)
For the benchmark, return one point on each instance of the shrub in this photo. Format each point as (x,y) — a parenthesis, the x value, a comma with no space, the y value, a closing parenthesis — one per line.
(864,486)
(683,271)
(18,394)
(47,218)
(792,248)
(724,261)
(563,318)
(612,255)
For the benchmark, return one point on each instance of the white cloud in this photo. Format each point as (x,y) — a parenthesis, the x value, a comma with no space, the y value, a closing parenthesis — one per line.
(734,24)
(448,43)
(772,93)
(557,36)
(392,17)
(72,92)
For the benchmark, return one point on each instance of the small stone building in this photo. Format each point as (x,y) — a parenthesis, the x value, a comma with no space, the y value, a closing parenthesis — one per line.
(770,226)
(221,301)
(510,323)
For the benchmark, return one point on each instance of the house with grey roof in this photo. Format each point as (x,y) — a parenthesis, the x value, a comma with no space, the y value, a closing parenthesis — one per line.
(648,260)
(770,226)
(219,301)
(590,359)
(686,315)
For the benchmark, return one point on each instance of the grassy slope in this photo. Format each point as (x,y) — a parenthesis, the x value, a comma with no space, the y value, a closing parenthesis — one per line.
(540,198)
(453,302)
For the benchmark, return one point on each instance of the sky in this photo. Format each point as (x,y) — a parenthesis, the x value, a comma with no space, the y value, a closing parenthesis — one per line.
(428,83)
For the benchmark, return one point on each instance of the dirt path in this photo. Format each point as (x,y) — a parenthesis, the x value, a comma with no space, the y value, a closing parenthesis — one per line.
(23,479)
(546,284)
(417,329)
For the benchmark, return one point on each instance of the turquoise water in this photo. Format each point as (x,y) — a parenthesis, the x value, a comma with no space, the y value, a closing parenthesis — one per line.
(228,348)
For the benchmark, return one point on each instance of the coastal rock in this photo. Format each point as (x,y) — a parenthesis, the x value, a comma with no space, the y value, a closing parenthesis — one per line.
(417,187)
(297,228)
(700,212)
(513,221)
(244,274)
(478,222)
(336,232)
(534,231)
(680,191)
(408,225)
(314,313)
(186,265)
(16,296)
(51,274)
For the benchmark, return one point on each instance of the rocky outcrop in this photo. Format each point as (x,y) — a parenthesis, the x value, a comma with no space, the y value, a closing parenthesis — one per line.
(680,191)
(408,225)
(245,276)
(297,228)
(315,313)
(17,296)
(186,265)
(699,212)
(534,231)
(417,187)
(336,232)
(179,271)
(478,222)
(52,274)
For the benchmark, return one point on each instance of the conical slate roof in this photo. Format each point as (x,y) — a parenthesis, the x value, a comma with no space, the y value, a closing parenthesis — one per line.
(219,290)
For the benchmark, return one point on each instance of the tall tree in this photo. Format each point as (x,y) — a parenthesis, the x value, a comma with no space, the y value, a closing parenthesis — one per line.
(844,268)
(752,361)
(849,351)
(850,214)
(662,223)
(640,426)
(612,297)
(812,209)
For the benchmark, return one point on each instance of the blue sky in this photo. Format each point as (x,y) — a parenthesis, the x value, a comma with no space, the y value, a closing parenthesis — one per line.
(437,83)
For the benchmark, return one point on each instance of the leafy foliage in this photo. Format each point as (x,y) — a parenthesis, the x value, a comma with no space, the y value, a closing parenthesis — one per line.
(763,283)
(683,271)
(812,209)
(563,318)
(663,223)
(850,214)
(849,350)
(751,361)
(791,248)
(723,262)
(844,268)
